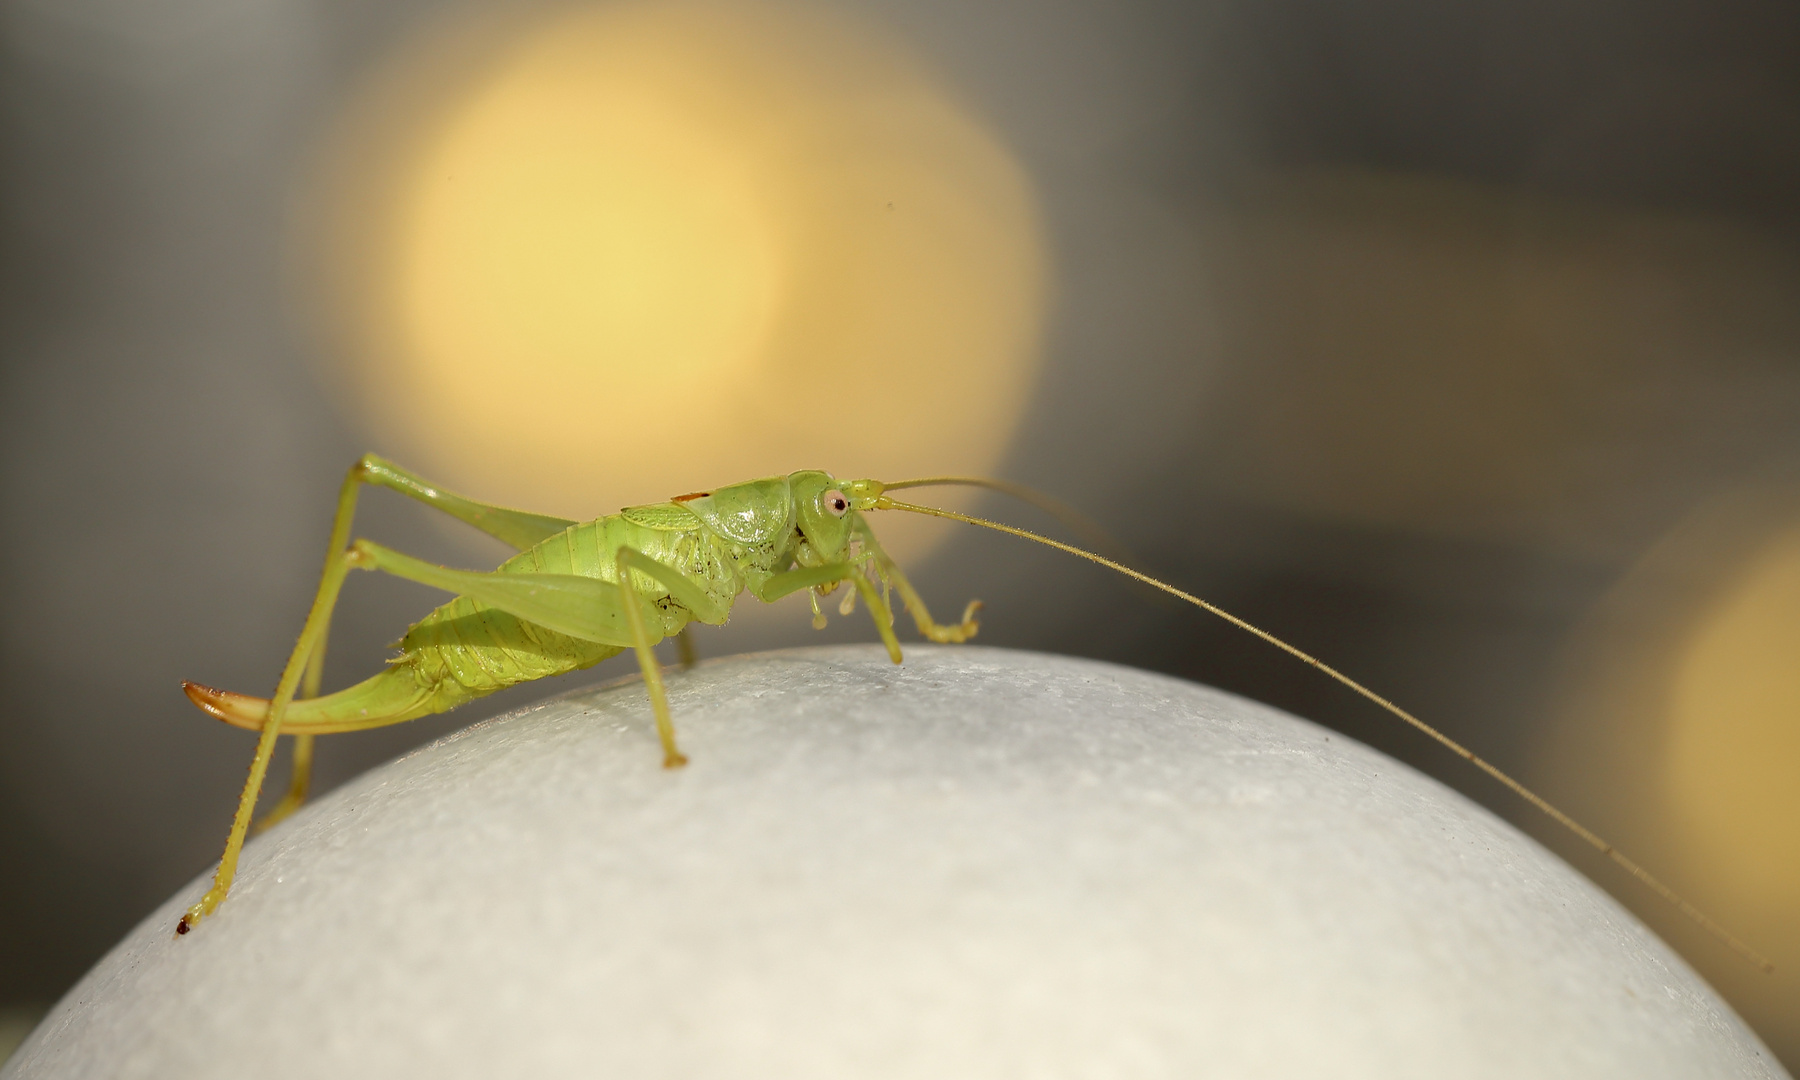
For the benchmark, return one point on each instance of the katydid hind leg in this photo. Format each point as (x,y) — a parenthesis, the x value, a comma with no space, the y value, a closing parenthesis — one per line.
(301,758)
(299,784)
(312,635)
(563,601)
(580,607)
(519,529)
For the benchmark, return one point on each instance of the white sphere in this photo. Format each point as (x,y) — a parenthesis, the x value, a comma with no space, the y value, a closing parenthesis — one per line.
(978,864)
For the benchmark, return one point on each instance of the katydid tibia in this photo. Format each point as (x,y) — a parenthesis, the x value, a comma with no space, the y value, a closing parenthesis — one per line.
(579,592)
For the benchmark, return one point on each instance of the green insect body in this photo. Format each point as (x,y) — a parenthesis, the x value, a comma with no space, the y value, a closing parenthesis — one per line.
(575,594)
(723,542)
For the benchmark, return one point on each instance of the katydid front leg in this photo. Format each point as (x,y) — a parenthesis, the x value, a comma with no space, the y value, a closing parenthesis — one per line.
(889,570)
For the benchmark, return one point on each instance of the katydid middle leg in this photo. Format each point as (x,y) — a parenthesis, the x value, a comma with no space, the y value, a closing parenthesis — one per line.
(690,595)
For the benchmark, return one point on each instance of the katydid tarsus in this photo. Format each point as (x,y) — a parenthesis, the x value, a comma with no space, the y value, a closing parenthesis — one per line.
(579,592)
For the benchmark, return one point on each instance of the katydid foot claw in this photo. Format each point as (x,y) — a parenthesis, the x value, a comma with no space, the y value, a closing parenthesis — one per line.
(207,905)
(958,633)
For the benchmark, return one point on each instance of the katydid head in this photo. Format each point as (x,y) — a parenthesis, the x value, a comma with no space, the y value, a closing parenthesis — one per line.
(862,494)
(823,513)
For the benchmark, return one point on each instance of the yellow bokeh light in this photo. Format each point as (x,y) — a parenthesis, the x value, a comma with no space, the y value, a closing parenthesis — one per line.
(622,252)
(635,259)
(1679,738)
(1734,733)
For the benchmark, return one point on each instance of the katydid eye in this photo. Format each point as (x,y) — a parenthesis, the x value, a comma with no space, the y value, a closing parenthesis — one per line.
(836,503)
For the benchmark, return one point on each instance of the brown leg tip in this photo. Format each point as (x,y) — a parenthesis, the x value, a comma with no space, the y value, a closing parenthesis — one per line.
(182,927)
(674,761)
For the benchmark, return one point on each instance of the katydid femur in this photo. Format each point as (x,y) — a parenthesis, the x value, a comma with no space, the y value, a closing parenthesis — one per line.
(579,592)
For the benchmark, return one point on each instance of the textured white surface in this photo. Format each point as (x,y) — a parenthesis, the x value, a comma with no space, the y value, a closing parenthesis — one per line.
(982,863)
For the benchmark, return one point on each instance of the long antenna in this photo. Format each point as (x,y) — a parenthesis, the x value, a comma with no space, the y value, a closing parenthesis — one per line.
(1532,797)
(1090,531)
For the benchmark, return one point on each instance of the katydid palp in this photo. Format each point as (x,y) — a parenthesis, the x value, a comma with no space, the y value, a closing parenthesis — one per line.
(578,593)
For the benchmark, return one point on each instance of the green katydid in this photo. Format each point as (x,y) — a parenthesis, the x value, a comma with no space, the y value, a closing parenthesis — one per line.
(580,592)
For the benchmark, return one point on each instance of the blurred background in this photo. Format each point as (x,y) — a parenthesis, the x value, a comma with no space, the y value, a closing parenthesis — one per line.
(1457,344)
